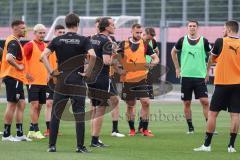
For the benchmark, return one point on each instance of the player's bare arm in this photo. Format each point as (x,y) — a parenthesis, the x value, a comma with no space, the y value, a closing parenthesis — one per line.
(91,62)
(175,61)
(44,58)
(11,60)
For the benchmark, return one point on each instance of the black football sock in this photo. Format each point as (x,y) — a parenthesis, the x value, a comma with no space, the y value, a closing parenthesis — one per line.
(131,124)
(232,139)
(19,129)
(208,139)
(7,130)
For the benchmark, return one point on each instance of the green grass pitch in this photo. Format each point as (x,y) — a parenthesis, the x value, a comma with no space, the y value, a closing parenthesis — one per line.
(170,142)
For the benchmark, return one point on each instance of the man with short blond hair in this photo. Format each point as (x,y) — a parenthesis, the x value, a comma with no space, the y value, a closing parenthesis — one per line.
(37,75)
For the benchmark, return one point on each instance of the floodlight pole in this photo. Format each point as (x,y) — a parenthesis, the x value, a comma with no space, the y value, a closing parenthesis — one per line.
(163,39)
(206,12)
(24,18)
(10,11)
(143,12)
(39,11)
(184,12)
(55,6)
(230,9)
(70,6)
(87,8)
(123,7)
(105,11)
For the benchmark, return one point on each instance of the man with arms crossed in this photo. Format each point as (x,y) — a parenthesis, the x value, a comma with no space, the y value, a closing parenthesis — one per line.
(13,74)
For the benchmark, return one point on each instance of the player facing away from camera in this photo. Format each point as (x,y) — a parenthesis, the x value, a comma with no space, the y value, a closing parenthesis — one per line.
(70,80)
(193,50)
(58,31)
(226,95)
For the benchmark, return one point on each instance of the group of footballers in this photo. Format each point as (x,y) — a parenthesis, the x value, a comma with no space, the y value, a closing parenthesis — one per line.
(37,63)
(74,67)
(194,72)
(20,65)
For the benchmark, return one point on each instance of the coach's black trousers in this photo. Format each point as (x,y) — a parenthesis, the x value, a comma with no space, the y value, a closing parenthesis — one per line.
(78,108)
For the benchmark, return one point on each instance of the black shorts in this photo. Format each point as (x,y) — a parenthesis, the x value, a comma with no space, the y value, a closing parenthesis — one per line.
(100,91)
(37,93)
(114,86)
(135,90)
(226,97)
(150,85)
(14,89)
(49,93)
(190,85)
